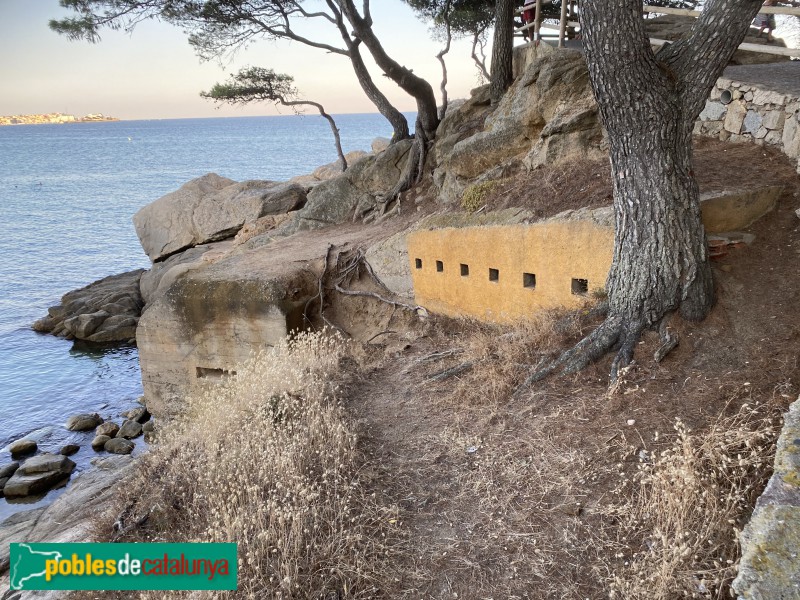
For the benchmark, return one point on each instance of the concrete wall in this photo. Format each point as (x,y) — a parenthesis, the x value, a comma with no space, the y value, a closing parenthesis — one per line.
(556,253)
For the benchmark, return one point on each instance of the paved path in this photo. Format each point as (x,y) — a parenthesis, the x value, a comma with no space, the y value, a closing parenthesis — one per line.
(782,77)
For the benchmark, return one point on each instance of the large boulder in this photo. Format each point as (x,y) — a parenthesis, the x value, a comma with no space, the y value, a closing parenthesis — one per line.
(107,310)
(38,474)
(208,209)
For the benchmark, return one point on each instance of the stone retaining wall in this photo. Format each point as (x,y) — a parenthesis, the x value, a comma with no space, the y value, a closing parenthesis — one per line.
(737,111)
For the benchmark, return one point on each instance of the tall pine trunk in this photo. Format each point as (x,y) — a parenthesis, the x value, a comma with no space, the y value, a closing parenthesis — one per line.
(502,49)
(648,104)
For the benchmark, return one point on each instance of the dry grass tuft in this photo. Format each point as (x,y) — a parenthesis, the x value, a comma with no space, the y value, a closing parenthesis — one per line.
(269,461)
(689,504)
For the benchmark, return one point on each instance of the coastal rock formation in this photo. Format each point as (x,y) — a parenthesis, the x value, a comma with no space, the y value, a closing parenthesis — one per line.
(119,445)
(349,195)
(38,474)
(104,311)
(769,567)
(547,115)
(208,209)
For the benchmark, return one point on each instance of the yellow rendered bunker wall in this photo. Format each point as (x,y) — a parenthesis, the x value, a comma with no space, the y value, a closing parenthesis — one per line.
(504,273)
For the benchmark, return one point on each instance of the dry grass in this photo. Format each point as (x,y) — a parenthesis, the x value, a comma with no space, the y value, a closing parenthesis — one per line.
(558,493)
(689,504)
(268,461)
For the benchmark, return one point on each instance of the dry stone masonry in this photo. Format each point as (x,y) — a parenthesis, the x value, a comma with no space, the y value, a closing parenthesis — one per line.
(756,104)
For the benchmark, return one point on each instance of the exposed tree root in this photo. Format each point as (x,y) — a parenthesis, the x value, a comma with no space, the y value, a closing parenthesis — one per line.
(614,333)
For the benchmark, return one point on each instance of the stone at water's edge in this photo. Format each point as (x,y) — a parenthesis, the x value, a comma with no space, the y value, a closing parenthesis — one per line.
(99,442)
(119,446)
(70,449)
(21,447)
(38,474)
(108,428)
(210,208)
(130,429)
(83,422)
(9,469)
(104,311)
(770,565)
(71,517)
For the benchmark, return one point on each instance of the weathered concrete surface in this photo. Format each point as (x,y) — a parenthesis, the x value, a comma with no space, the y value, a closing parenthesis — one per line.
(737,209)
(770,565)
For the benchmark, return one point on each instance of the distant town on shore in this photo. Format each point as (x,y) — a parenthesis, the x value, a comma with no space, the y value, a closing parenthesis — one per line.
(53,118)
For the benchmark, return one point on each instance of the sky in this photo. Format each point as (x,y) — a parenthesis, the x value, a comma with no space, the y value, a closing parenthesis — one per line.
(153,72)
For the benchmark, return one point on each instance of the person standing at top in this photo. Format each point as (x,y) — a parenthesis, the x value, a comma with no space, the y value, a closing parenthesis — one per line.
(767,21)
(528,12)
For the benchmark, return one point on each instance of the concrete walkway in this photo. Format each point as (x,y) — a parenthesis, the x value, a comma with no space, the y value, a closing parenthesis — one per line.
(781,77)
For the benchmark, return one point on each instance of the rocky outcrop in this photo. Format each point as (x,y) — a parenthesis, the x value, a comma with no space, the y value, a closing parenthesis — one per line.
(547,115)
(107,310)
(354,192)
(208,209)
(769,567)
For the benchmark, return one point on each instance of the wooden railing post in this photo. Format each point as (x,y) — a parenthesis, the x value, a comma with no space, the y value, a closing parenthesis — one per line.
(562,30)
(538,22)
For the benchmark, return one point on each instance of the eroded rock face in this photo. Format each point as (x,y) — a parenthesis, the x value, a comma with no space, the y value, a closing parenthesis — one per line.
(547,115)
(104,311)
(208,209)
(351,194)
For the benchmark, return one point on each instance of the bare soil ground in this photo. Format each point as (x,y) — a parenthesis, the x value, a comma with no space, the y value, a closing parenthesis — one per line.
(504,496)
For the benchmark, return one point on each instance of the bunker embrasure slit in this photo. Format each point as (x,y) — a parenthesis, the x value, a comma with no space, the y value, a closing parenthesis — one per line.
(529,280)
(494,275)
(464,270)
(439,266)
(418,263)
(580,287)
(210,373)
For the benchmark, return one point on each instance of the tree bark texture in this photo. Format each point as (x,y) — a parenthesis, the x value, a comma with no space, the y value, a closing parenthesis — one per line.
(502,49)
(648,104)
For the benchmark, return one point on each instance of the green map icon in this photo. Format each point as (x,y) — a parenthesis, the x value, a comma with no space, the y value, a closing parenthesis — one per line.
(27,564)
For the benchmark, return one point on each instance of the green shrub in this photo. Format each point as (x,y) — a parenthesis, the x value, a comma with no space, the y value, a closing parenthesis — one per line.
(475,195)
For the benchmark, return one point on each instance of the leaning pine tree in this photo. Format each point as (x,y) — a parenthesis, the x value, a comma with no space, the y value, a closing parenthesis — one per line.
(649,102)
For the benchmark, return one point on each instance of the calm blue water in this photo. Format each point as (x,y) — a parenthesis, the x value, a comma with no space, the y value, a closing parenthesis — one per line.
(67,194)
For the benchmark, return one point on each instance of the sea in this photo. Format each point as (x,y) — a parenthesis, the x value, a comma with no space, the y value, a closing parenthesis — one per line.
(67,195)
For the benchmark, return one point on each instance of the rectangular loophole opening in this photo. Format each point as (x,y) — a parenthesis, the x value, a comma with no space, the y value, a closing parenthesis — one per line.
(209,373)
(439,266)
(418,263)
(494,275)
(464,270)
(580,287)
(529,280)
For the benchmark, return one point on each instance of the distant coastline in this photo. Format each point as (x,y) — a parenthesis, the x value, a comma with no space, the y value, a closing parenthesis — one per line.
(53,118)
